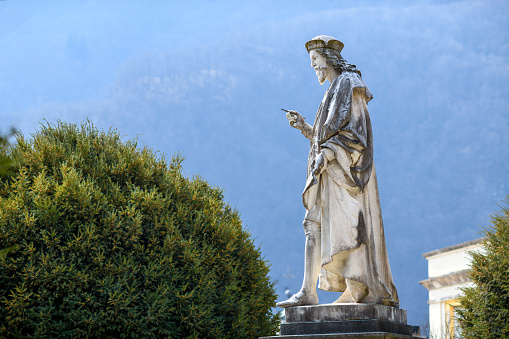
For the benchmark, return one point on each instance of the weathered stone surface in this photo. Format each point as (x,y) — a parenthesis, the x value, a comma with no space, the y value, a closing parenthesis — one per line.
(364,335)
(345,247)
(342,312)
(345,321)
(347,326)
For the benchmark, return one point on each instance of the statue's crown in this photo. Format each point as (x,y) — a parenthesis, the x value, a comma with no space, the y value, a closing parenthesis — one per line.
(324,41)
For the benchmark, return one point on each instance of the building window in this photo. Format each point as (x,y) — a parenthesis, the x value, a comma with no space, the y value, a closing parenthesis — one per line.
(453,330)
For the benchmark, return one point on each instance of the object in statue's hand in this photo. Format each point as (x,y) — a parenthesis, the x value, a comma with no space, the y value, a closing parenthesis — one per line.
(295,118)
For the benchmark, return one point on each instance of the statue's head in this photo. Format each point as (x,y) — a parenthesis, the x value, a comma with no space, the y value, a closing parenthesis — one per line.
(325,54)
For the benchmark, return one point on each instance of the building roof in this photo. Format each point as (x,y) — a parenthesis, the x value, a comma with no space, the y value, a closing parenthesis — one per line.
(453,247)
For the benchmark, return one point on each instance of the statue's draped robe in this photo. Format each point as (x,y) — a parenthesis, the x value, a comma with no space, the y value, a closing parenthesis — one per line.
(344,198)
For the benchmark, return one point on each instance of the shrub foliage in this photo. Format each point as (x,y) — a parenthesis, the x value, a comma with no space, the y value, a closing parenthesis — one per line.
(484,311)
(112,241)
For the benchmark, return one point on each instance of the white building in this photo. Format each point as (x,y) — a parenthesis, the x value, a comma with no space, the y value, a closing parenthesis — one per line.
(447,273)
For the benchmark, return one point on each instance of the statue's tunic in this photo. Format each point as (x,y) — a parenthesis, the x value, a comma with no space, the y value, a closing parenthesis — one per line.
(344,199)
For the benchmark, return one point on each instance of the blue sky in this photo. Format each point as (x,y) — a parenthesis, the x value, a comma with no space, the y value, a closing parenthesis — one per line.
(208,79)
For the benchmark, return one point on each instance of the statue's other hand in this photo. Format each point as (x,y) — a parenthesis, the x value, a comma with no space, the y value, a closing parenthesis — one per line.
(320,164)
(296,119)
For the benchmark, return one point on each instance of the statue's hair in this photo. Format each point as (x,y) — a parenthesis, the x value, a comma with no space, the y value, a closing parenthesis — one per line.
(334,58)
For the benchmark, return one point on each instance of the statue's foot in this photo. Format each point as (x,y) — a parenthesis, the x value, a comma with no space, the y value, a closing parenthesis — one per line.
(299,299)
(354,293)
(359,292)
(345,297)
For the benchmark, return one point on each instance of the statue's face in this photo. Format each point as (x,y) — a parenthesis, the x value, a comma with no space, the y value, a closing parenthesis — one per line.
(320,65)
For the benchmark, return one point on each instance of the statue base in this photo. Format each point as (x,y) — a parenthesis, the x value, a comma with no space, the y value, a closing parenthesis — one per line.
(345,321)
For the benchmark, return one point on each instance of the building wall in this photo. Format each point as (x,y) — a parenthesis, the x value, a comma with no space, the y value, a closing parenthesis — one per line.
(447,273)
(448,262)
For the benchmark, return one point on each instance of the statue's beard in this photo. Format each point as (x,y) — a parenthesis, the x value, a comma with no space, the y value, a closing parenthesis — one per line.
(321,73)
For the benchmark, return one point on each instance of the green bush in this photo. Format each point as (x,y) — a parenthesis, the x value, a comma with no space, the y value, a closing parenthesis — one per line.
(484,311)
(114,242)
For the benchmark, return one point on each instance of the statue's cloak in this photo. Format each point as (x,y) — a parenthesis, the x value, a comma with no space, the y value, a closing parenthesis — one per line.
(345,196)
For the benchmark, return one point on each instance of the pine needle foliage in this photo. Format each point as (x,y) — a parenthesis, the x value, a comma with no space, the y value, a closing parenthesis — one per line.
(114,242)
(5,161)
(484,311)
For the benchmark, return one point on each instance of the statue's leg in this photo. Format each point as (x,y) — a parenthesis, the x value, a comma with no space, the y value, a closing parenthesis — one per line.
(307,294)
(313,256)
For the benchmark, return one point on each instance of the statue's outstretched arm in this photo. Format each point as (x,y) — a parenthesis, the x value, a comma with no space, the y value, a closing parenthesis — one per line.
(298,121)
(307,131)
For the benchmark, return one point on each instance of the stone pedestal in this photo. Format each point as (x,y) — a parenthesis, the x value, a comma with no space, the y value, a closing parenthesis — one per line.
(344,321)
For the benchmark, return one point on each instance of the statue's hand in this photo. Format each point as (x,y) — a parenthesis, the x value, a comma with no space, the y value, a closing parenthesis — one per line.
(296,120)
(319,164)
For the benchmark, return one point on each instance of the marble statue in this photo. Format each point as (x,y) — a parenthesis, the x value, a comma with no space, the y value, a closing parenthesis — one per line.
(345,245)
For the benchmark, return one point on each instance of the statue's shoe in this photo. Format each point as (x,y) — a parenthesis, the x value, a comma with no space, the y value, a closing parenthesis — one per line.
(353,294)
(299,299)
(345,297)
